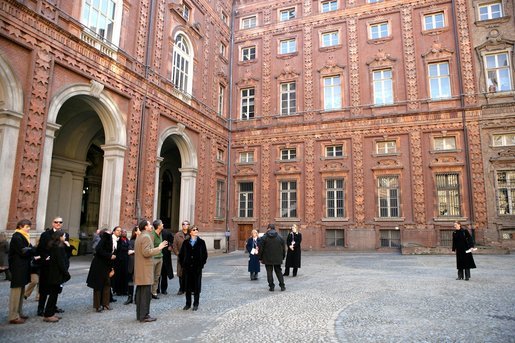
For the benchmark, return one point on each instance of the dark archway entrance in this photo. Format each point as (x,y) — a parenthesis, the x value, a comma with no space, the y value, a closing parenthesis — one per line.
(169,185)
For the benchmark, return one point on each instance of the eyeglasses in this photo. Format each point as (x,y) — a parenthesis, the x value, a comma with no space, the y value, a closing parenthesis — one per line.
(57,222)
(195,229)
(185,223)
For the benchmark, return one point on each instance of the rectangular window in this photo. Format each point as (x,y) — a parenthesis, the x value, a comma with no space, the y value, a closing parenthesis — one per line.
(498,72)
(246,200)
(388,196)
(223,49)
(386,147)
(444,143)
(506,191)
(99,17)
(378,31)
(334,238)
(328,6)
(288,46)
(374,1)
(248,53)
(220,199)
(247,103)
(448,194)
(334,198)
(490,11)
(224,17)
(332,93)
(390,238)
(249,22)
(221,95)
(288,199)
(439,80)
(505,139)
(287,14)
(288,154)
(334,151)
(446,238)
(434,21)
(383,87)
(186,12)
(220,155)
(288,98)
(330,39)
(247,157)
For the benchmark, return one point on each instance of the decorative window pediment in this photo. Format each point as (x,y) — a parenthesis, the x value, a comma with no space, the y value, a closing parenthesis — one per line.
(437,52)
(287,73)
(247,80)
(381,60)
(331,67)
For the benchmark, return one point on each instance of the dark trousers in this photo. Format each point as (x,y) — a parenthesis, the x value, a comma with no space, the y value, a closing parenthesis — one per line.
(467,273)
(181,284)
(163,284)
(142,299)
(51,303)
(102,296)
(270,277)
(193,284)
(196,298)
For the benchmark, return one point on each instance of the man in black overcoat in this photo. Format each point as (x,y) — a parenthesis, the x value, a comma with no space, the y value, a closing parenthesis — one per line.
(272,252)
(463,243)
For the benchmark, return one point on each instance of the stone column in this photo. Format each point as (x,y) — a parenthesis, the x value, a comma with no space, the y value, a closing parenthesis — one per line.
(9,131)
(111,193)
(188,188)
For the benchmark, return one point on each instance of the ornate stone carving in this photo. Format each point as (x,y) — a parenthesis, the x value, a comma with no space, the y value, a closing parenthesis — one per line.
(381,59)
(417,178)
(467,71)
(287,73)
(358,173)
(476,166)
(143,31)
(247,80)
(309,153)
(265,185)
(202,154)
(352,32)
(266,74)
(409,57)
(331,67)
(308,68)
(437,52)
(96,88)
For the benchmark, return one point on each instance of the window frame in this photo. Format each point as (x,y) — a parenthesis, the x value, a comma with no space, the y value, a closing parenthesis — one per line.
(220,197)
(489,84)
(332,6)
(434,22)
(445,146)
(287,97)
(336,153)
(221,99)
(386,147)
(509,194)
(380,31)
(388,95)
(116,20)
(245,197)
(287,44)
(439,78)
(334,198)
(288,12)
(248,22)
(333,34)
(388,196)
(489,13)
(330,93)
(249,157)
(250,52)
(290,196)
(451,194)
(250,100)
(182,51)
(337,237)
(505,138)
(288,154)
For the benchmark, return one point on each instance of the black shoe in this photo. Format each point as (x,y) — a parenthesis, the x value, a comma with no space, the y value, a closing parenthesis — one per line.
(195,307)
(113,300)
(283,289)
(466,279)
(154,296)
(286,274)
(41,313)
(460,278)
(164,292)
(128,301)
(99,309)
(59,310)
(271,289)
(187,307)
(180,293)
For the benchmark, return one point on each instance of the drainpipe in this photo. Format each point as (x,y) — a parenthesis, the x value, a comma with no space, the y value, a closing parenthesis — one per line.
(143,106)
(229,109)
(468,168)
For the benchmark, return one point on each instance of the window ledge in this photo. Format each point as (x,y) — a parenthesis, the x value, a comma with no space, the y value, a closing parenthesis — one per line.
(288,55)
(247,62)
(389,219)
(378,41)
(335,220)
(445,151)
(493,22)
(244,219)
(500,94)
(330,48)
(290,220)
(437,31)
(449,219)
(386,154)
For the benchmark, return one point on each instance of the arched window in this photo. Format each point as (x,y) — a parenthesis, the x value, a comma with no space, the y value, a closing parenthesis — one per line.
(182,64)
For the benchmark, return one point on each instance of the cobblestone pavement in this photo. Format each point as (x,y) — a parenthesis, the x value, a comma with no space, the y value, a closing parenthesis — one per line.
(337,297)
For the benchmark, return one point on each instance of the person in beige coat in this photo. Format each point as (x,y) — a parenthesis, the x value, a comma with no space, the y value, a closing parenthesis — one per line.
(144,270)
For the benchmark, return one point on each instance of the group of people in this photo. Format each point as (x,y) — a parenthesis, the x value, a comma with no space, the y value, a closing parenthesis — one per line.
(149,265)
(50,259)
(270,249)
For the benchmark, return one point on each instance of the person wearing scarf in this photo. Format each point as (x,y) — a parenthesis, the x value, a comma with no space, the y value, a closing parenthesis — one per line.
(20,254)
(193,257)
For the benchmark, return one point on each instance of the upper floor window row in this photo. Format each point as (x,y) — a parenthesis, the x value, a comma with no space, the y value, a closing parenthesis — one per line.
(434,21)
(328,6)
(287,14)
(249,22)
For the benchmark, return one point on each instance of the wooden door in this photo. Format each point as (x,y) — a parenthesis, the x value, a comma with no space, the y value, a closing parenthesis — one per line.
(244,231)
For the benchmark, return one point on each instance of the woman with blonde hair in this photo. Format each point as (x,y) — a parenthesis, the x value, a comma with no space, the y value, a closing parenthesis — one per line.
(253,250)
(293,253)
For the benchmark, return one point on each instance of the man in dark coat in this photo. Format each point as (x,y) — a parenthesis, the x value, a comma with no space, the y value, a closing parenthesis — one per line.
(272,252)
(20,254)
(43,251)
(193,257)
(462,243)
(167,269)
